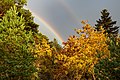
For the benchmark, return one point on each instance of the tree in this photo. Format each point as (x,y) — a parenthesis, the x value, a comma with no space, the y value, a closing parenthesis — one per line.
(55,44)
(45,53)
(44,59)
(80,54)
(29,20)
(16,57)
(109,68)
(7,4)
(107,23)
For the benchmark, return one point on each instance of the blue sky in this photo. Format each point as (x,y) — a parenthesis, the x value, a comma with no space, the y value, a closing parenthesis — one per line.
(65,15)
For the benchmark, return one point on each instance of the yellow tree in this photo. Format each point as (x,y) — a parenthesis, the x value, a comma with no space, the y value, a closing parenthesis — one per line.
(80,53)
(44,63)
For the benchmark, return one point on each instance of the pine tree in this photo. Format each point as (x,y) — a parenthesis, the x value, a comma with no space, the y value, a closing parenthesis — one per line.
(29,19)
(5,5)
(108,68)
(16,57)
(107,23)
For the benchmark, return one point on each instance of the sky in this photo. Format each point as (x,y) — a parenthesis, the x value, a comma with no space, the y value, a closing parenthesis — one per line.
(59,18)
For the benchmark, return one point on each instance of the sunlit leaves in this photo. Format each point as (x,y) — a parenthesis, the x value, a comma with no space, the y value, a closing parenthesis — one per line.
(43,54)
(81,53)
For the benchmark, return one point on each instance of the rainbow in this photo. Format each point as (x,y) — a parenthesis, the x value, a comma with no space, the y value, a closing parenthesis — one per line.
(47,25)
(69,9)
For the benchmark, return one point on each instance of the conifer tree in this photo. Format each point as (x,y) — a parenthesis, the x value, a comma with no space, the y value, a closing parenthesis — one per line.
(108,68)
(5,5)
(107,23)
(16,58)
(29,20)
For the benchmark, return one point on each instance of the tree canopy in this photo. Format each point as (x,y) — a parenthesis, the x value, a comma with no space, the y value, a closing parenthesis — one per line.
(107,23)
(27,54)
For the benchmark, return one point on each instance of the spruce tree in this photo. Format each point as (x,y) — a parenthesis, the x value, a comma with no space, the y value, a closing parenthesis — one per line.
(5,5)
(108,68)
(107,23)
(16,57)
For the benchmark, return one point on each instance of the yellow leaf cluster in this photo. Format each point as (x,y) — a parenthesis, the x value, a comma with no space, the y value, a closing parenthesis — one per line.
(118,40)
(42,52)
(42,48)
(81,53)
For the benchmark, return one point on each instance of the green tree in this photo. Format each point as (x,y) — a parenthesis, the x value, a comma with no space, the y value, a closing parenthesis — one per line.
(7,4)
(29,22)
(107,23)
(16,58)
(109,68)
(55,44)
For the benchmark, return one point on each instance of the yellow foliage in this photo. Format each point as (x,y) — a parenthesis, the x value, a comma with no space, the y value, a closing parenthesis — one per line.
(81,53)
(118,40)
(42,53)
(77,58)
(41,50)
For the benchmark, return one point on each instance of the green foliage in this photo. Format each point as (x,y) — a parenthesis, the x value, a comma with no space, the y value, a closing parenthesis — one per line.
(109,68)
(55,44)
(20,2)
(107,23)
(16,59)
(29,22)
(27,54)
(7,4)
